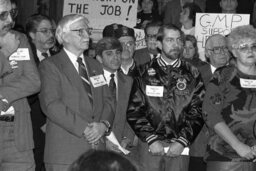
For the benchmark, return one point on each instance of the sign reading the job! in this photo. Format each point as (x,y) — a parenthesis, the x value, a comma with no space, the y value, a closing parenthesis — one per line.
(104,12)
(208,24)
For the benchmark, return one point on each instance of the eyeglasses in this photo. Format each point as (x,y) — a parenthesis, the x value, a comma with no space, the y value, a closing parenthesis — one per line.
(4,15)
(83,31)
(46,31)
(218,50)
(151,36)
(127,44)
(244,48)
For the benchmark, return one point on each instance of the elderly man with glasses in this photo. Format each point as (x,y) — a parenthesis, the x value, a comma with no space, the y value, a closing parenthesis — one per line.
(217,55)
(19,79)
(74,96)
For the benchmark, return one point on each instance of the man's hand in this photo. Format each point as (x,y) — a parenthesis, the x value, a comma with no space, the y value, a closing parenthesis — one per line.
(94,131)
(9,44)
(157,148)
(125,142)
(175,149)
(112,147)
(245,151)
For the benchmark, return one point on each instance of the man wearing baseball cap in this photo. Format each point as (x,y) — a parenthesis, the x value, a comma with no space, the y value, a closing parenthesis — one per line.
(126,36)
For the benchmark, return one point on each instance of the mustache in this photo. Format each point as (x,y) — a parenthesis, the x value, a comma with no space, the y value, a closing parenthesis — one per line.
(51,39)
(8,26)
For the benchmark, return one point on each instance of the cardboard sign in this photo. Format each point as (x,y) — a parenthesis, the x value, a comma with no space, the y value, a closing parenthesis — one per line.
(208,24)
(104,12)
(140,38)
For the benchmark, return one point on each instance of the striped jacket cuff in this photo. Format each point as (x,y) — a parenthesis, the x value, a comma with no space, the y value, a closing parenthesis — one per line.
(182,141)
(152,138)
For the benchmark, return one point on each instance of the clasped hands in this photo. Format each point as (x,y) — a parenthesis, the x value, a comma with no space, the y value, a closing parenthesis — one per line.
(175,149)
(94,131)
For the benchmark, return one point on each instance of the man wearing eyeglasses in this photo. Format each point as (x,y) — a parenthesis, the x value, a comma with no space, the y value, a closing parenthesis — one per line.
(18,82)
(217,55)
(74,96)
(40,31)
(151,52)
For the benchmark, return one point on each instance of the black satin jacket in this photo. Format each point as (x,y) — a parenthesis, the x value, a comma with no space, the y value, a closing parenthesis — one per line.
(176,115)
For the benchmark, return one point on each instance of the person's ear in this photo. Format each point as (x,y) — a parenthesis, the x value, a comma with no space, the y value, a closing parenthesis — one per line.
(159,45)
(99,59)
(207,53)
(32,35)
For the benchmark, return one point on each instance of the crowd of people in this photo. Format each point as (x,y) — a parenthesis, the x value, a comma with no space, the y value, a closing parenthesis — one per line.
(60,108)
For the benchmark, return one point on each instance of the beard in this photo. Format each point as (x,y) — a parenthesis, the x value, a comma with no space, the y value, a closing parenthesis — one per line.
(173,54)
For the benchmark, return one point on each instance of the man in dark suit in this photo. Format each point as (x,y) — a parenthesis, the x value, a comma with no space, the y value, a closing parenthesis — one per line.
(109,52)
(74,96)
(40,31)
(16,83)
(217,55)
(147,54)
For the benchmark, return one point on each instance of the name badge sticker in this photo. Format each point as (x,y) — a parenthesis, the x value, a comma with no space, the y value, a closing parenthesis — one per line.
(154,91)
(98,80)
(22,54)
(247,83)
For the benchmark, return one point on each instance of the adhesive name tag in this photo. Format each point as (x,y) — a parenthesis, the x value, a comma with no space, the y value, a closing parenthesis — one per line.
(98,81)
(22,54)
(247,83)
(154,91)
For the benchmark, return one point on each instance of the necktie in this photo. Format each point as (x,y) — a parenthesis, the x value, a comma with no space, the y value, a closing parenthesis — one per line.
(112,85)
(84,76)
(44,54)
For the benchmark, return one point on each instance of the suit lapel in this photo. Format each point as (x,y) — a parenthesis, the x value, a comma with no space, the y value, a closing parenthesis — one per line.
(71,73)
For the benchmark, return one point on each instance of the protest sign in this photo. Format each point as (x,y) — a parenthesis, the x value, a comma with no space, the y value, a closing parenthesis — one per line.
(104,12)
(208,24)
(140,38)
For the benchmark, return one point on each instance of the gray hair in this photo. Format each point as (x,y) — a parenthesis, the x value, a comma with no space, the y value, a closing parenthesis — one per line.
(240,33)
(65,23)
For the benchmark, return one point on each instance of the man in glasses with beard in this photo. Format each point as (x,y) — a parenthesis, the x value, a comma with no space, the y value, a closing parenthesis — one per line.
(165,107)
(18,81)
(40,31)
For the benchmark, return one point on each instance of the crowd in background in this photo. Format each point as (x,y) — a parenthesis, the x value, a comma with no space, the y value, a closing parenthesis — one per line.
(61,104)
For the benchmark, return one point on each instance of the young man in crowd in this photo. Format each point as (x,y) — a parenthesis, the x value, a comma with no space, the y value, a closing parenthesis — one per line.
(109,51)
(126,36)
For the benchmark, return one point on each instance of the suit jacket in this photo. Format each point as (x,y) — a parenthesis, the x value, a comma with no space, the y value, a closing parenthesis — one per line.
(120,126)
(66,104)
(142,56)
(22,81)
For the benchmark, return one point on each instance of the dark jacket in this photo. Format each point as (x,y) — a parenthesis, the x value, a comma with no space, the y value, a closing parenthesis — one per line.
(176,116)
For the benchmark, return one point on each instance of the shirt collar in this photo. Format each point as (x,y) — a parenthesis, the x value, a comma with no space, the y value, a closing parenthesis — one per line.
(163,63)
(107,75)
(40,56)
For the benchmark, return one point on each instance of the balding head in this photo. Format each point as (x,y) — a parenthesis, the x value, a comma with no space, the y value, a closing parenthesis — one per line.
(216,51)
